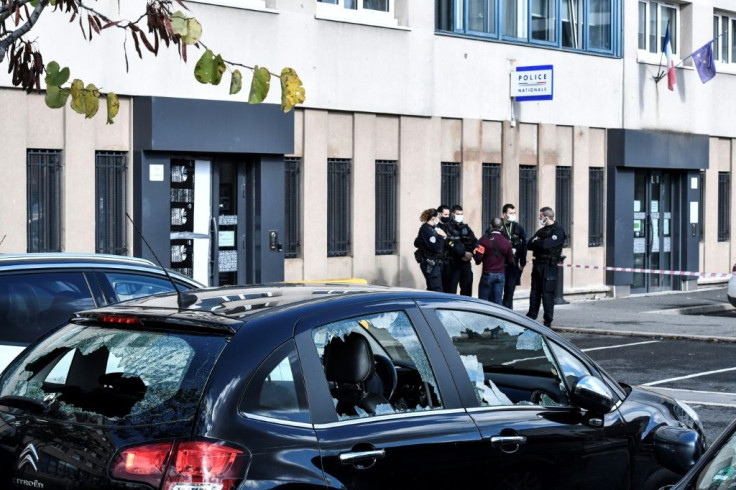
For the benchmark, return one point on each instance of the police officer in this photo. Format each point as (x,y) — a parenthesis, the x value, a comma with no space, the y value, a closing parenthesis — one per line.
(461,241)
(430,242)
(445,257)
(546,246)
(515,233)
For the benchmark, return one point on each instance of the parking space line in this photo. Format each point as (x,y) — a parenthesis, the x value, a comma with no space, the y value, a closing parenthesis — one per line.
(619,345)
(710,398)
(694,375)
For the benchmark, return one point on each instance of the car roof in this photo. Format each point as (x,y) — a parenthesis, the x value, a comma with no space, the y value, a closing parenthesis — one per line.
(68,260)
(241,302)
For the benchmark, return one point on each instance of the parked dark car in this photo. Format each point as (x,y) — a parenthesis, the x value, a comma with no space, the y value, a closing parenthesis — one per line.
(334,386)
(716,469)
(41,291)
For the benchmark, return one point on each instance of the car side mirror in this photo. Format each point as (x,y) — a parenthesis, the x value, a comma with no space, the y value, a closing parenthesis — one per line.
(592,394)
(677,448)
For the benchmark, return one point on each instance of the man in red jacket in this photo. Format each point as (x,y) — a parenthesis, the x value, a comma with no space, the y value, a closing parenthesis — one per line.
(496,253)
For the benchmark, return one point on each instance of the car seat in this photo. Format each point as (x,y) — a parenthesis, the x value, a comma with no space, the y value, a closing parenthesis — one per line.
(349,364)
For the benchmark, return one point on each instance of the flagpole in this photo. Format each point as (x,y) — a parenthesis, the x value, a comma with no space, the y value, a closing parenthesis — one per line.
(661,75)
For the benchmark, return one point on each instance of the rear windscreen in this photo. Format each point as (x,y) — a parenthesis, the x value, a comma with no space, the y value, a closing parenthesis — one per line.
(123,377)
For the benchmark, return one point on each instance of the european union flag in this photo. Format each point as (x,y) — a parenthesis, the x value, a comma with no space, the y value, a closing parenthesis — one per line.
(703,59)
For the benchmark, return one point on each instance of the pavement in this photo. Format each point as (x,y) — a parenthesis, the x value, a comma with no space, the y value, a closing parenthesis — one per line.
(703,314)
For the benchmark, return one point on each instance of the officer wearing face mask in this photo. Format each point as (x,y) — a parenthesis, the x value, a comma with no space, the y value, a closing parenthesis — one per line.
(461,241)
(546,246)
(430,242)
(515,233)
(446,255)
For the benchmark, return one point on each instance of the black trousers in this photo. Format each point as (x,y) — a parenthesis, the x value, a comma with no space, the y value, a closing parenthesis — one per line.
(460,273)
(433,276)
(544,284)
(513,274)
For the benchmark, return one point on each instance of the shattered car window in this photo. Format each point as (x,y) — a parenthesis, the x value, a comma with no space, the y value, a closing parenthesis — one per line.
(91,374)
(720,472)
(507,364)
(376,365)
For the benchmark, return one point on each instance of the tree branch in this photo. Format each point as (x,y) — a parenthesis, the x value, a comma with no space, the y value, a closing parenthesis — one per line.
(13,36)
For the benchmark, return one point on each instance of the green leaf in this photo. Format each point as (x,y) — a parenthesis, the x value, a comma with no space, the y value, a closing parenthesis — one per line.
(113,105)
(260,85)
(33,3)
(76,92)
(56,97)
(292,92)
(236,82)
(209,68)
(194,32)
(179,23)
(54,76)
(91,98)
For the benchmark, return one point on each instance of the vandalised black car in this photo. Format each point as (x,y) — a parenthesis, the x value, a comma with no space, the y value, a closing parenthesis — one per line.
(327,386)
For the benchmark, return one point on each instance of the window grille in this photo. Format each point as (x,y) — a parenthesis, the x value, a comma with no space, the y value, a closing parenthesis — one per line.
(44,200)
(563,200)
(724,206)
(491,193)
(292,193)
(450,192)
(595,207)
(111,170)
(386,207)
(338,207)
(528,209)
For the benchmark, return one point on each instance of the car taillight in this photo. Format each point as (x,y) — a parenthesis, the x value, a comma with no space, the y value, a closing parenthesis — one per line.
(125,320)
(184,465)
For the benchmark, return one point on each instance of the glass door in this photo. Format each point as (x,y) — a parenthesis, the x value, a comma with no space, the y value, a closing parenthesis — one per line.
(227,265)
(652,230)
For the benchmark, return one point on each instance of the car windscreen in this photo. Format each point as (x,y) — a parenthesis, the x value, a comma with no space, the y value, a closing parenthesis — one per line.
(97,375)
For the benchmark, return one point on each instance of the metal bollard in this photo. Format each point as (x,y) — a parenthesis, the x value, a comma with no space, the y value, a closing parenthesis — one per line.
(559,297)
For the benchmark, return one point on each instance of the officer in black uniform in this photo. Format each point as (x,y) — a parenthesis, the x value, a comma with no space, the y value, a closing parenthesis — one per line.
(461,241)
(429,243)
(546,246)
(517,236)
(445,255)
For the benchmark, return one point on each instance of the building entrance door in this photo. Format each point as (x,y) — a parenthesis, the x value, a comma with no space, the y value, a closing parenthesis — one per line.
(652,230)
(227,255)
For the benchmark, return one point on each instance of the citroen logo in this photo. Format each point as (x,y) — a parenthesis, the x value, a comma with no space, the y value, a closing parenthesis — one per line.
(29,456)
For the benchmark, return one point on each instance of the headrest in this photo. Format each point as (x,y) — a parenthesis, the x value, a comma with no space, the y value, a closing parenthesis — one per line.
(348,360)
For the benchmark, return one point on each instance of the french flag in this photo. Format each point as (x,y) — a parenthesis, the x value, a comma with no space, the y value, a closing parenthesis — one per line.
(667,48)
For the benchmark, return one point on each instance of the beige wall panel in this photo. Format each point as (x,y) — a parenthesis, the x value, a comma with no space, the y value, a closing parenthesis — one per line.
(117,136)
(364,196)
(732,169)
(472,175)
(340,136)
(710,213)
(419,178)
(579,252)
(589,281)
(293,269)
(564,146)
(724,155)
(510,165)
(78,160)
(387,138)
(492,142)
(547,163)
(13,163)
(528,144)
(386,272)
(597,147)
(298,133)
(337,268)
(314,249)
(452,141)
(45,127)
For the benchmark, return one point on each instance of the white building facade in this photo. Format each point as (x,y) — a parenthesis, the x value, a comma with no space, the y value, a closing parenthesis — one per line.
(408,106)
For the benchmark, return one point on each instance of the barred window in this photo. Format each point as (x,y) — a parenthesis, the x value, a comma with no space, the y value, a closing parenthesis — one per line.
(595,207)
(724,206)
(528,210)
(44,200)
(292,208)
(563,200)
(338,207)
(111,170)
(451,192)
(386,207)
(491,193)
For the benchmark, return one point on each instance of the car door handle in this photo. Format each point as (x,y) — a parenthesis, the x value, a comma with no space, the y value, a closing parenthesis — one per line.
(361,456)
(507,440)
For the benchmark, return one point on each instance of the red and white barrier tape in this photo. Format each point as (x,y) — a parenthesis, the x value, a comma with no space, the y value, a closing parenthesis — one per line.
(649,271)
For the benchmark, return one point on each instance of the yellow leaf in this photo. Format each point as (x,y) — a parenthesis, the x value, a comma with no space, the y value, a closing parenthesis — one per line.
(236,82)
(76,91)
(91,98)
(194,32)
(292,92)
(113,105)
(260,85)
(179,23)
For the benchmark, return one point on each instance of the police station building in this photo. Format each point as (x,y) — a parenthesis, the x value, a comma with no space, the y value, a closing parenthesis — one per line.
(410,104)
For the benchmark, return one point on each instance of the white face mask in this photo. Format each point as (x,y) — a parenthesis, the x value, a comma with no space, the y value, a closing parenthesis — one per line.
(459,218)
(511,217)
(542,221)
